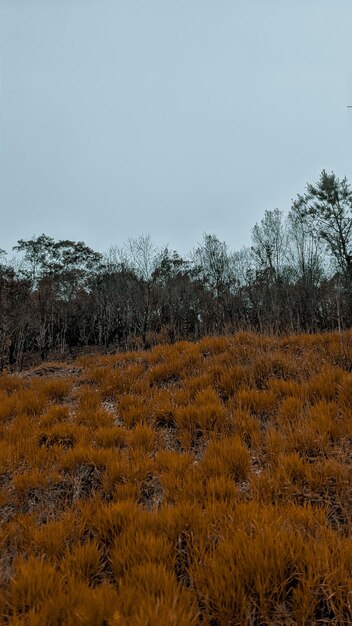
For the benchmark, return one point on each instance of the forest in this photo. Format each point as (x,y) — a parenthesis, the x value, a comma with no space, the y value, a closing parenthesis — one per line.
(175,433)
(61,297)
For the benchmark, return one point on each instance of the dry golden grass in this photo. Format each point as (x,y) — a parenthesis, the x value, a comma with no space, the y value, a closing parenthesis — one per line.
(196,484)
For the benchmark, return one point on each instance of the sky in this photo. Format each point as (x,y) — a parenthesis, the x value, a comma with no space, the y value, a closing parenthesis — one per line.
(167,117)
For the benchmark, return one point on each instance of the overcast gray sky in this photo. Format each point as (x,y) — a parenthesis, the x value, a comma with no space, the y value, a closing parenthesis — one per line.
(168,117)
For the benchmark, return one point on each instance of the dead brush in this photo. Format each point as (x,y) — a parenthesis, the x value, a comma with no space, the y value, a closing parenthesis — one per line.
(165,374)
(345,395)
(171,605)
(325,384)
(288,482)
(291,411)
(206,415)
(142,438)
(94,418)
(84,562)
(212,413)
(139,466)
(65,435)
(226,457)
(196,383)
(57,389)
(29,402)
(135,377)
(111,382)
(9,454)
(32,479)
(88,399)
(35,583)
(80,604)
(176,472)
(208,346)
(8,407)
(313,435)
(285,388)
(11,383)
(221,488)
(183,487)
(274,444)
(134,409)
(247,427)
(171,462)
(261,565)
(163,407)
(186,419)
(260,403)
(333,475)
(134,547)
(182,519)
(54,415)
(106,521)
(233,378)
(51,540)
(111,437)
(83,456)
(154,580)
(149,614)
(103,525)
(114,475)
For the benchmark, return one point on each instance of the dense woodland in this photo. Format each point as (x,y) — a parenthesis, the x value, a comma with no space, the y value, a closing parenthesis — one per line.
(62,296)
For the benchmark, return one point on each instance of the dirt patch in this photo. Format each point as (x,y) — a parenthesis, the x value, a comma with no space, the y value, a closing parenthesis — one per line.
(167,438)
(52,370)
(111,407)
(54,440)
(49,501)
(151,494)
(7,513)
(84,480)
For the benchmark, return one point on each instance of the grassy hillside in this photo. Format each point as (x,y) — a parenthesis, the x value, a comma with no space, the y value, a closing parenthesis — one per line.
(204,483)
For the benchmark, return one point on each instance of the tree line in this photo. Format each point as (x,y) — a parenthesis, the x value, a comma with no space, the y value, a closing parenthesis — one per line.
(296,276)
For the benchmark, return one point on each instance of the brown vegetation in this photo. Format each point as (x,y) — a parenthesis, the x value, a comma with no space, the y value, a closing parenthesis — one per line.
(201,483)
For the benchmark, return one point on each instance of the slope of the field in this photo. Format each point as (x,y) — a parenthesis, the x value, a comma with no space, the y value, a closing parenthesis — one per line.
(202,483)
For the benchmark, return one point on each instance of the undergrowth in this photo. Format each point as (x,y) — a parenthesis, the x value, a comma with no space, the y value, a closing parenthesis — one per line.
(196,484)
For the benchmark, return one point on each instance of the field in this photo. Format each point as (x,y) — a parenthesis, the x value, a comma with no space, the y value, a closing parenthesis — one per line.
(200,483)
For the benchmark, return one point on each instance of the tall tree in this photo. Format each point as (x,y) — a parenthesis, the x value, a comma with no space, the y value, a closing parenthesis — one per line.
(213,267)
(140,257)
(269,241)
(269,246)
(326,209)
